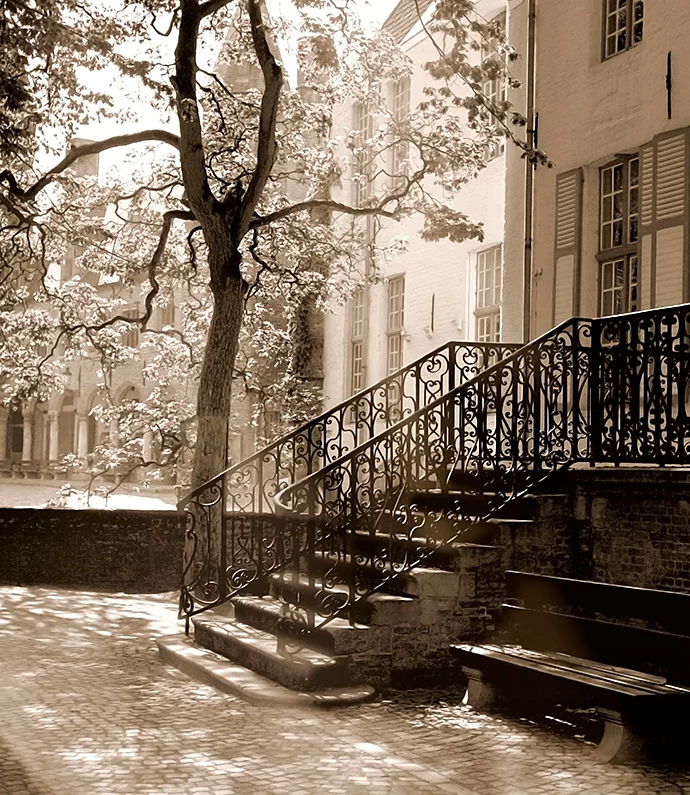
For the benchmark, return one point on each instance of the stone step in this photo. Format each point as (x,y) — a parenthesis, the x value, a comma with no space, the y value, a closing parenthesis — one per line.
(398,547)
(305,670)
(338,637)
(474,504)
(491,478)
(217,671)
(380,608)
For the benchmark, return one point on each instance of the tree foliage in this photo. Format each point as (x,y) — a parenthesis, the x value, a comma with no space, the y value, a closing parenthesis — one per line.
(236,208)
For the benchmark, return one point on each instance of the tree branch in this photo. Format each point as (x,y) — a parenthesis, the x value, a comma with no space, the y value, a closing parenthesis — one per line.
(155,261)
(211,6)
(83,150)
(196,184)
(328,204)
(267,144)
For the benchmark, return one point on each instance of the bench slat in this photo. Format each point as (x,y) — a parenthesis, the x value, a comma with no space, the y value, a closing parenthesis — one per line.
(468,655)
(614,670)
(602,641)
(566,662)
(668,610)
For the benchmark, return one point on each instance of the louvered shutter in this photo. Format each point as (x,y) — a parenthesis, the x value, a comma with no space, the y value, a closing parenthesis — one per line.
(568,237)
(646,226)
(663,219)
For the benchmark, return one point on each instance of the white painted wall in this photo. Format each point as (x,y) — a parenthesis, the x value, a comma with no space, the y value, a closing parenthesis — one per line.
(441,269)
(589,110)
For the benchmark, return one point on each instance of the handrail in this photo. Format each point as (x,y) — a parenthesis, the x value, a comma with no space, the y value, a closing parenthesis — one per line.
(606,389)
(475,355)
(588,390)
(279,499)
(230,544)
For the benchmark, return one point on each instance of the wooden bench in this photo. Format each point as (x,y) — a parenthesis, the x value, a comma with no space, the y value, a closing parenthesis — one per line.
(624,651)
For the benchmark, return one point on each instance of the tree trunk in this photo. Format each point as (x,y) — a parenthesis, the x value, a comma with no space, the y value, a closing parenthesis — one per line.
(215,383)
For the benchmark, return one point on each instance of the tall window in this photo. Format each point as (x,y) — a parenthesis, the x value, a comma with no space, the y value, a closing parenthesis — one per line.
(130,336)
(395,323)
(400,151)
(618,237)
(623,22)
(488,295)
(494,88)
(357,342)
(363,171)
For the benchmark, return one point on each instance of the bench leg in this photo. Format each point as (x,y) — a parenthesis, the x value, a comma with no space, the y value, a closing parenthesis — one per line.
(480,695)
(620,743)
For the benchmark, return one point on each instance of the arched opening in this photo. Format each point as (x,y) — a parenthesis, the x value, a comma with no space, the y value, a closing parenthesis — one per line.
(67,425)
(15,434)
(94,433)
(41,440)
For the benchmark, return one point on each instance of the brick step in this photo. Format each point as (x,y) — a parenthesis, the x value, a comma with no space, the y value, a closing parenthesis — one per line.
(377,609)
(490,479)
(398,546)
(253,648)
(474,504)
(338,637)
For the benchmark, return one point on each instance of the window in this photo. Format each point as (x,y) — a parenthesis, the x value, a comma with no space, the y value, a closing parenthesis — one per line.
(395,323)
(364,164)
(357,342)
(488,295)
(618,236)
(130,336)
(271,423)
(167,315)
(623,21)
(400,151)
(494,85)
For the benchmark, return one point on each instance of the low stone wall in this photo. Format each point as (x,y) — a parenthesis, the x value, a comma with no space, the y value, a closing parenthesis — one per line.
(130,551)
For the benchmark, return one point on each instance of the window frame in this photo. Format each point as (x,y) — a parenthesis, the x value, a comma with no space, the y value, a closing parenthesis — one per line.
(488,314)
(395,323)
(356,349)
(363,163)
(400,150)
(630,24)
(495,89)
(626,255)
(131,337)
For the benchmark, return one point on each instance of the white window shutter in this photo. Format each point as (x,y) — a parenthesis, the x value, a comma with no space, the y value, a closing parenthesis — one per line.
(667,229)
(647,157)
(568,248)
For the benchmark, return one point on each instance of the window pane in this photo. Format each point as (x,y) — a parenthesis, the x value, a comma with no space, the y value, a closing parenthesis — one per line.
(617,233)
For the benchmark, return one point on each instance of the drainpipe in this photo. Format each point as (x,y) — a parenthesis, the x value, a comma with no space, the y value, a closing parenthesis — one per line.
(529,173)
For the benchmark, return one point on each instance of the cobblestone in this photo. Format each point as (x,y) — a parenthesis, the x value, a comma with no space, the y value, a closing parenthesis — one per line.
(87,708)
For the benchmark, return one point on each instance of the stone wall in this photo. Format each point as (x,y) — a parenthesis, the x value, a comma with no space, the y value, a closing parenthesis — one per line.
(629,526)
(130,551)
(635,525)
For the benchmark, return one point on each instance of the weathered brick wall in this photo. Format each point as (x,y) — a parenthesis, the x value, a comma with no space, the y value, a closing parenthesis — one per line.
(637,526)
(625,526)
(131,551)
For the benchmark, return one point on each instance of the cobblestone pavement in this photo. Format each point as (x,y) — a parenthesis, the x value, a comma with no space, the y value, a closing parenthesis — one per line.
(87,707)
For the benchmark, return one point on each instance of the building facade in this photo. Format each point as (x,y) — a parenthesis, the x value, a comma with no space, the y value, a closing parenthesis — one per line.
(611,219)
(434,291)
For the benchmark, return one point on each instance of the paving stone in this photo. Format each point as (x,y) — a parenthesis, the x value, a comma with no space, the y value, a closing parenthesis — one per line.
(87,708)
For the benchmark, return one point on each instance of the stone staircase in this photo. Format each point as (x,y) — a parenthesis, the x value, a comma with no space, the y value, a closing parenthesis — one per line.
(400,635)
(363,568)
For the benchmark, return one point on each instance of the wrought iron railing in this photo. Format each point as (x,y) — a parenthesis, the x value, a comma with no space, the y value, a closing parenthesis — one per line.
(606,390)
(233,540)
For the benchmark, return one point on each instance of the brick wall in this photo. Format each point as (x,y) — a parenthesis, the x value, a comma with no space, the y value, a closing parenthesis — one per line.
(624,526)
(637,526)
(131,551)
